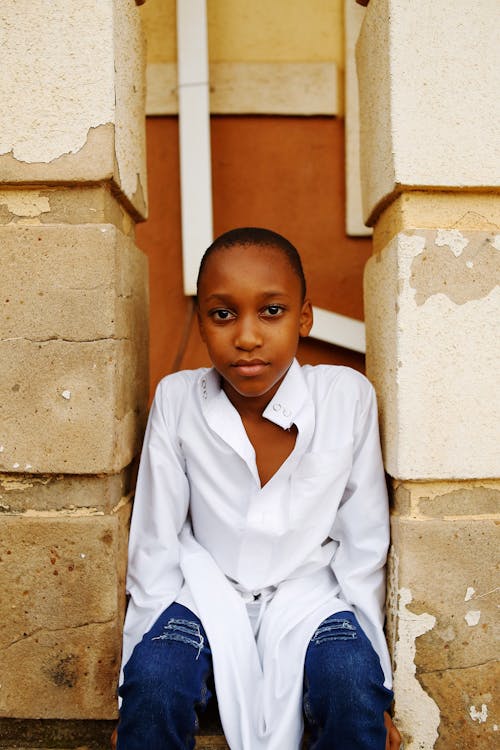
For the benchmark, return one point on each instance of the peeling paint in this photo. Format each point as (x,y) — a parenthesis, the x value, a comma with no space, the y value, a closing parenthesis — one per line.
(82,512)
(479,716)
(27,203)
(454,239)
(461,272)
(472,617)
(417,714)
(71,92)
(130,100)
(496,241)
(469,593)
(66,395)
(12,485)
(449,389)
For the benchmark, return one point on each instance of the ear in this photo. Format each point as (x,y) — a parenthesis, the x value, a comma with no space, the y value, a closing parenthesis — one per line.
(200,325)
(306,319)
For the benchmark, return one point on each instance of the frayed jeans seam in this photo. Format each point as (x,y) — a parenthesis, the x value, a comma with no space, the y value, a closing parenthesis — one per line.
(180,630)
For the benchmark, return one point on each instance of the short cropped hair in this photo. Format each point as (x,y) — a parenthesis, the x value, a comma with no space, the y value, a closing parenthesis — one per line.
(262,238)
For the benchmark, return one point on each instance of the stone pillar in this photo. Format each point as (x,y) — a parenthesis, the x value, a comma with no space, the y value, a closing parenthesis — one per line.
(429,100)
(73,352)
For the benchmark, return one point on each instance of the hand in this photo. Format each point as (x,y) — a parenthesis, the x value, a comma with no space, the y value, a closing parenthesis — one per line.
(393,740)
(114,738)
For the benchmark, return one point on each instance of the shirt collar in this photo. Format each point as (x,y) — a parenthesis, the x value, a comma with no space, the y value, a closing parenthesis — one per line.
(288,401)
(284,409)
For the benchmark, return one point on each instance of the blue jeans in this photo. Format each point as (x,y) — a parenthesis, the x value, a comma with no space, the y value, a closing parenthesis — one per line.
(165,686)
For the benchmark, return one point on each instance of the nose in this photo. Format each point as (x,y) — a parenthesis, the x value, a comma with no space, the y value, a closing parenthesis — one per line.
(248,335)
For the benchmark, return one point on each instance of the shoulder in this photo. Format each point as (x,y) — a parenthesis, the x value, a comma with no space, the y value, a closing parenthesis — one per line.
(181,380)
(337,380)
(174,391)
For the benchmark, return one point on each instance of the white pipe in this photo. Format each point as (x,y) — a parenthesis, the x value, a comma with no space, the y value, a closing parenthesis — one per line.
(339,330)
(194,136)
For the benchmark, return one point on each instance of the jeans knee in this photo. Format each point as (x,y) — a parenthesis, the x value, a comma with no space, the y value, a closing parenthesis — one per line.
(341,664)
(169,667)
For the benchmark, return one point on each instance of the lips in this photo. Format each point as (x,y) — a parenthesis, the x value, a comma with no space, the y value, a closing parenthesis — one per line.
(249,367)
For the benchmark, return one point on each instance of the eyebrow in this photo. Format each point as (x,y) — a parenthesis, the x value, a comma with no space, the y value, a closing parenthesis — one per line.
(264,295)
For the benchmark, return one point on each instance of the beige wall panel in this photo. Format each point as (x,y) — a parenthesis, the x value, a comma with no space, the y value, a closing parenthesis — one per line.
(280,31)
(60,118)
(60,637)
(71,407)
(252,88)
(442,614)
(429,96)
(431,306)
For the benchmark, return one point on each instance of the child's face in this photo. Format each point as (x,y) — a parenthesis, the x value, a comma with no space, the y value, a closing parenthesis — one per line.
(251,316)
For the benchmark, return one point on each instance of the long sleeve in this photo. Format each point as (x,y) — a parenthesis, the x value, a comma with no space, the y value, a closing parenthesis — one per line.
(160,510)
(362,529)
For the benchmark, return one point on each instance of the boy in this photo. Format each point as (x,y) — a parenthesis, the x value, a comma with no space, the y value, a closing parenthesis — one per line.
(259,531)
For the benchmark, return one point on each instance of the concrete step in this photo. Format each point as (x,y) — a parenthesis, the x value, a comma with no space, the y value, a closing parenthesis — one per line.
(203,742)
(55,734)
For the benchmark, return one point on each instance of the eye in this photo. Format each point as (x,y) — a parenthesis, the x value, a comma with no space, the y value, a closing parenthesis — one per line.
(221,315)
(273,311)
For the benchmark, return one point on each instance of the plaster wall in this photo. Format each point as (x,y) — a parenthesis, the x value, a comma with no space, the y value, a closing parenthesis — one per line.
(431,101)
(432,301)
(74,89)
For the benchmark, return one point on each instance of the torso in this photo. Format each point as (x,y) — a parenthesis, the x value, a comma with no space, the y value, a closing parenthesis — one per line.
(272,445)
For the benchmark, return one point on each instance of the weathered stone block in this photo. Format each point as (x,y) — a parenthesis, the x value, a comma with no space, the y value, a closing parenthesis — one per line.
(448,500)
(62,584)
(429,107)
(21,492)
(73,349)
(432,303)
(79,117)
(81,204)
(75,283)
(70,407)
(470,695)
(441,618)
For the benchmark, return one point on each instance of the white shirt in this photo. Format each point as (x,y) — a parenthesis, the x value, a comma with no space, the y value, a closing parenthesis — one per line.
(312,541)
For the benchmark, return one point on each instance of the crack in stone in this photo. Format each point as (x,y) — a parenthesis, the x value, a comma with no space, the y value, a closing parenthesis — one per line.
(423,673)
(29,636)
(66,341)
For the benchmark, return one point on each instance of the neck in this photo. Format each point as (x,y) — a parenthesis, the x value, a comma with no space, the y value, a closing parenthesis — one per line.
(249,407)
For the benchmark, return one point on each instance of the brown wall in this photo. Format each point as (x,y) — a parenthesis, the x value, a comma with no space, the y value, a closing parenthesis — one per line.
(283,173)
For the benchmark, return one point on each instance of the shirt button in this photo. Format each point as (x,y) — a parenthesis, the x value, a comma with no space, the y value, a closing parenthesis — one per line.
(277,407)
(204,387)
(286,412)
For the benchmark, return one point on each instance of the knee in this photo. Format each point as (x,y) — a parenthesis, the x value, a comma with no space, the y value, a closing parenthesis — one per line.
(164,673)
(341,664)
